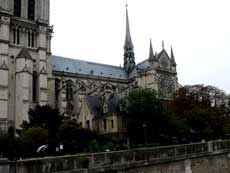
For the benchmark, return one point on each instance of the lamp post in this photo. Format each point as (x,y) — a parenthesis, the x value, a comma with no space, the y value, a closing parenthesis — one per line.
(144,125)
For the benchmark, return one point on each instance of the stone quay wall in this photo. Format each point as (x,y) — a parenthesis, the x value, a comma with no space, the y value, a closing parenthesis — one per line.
(189,158)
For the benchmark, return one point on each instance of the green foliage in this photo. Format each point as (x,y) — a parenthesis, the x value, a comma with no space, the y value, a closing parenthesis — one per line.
(108,146)
(197,112)
(46,126)
(41,129)
(34,136)
(31,139)
(94,146)
(143,102)
(47,118)
(8,144)
(148,118)
(74,138)
(203,109)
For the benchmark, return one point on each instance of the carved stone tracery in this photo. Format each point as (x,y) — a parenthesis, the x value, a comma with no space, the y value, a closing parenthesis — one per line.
(166,85)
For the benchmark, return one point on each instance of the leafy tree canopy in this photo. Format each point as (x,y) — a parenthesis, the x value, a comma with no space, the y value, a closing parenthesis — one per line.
(148,118)
(45,117)
(203,109)
(74,138)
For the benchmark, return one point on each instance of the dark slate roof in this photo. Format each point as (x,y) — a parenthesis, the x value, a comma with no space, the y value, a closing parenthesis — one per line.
(113,104)
(86,68)
(142,66)
(95,104)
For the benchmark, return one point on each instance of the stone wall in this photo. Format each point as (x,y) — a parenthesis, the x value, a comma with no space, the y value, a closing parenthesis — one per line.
(191,158)
(4,166)
(208,164)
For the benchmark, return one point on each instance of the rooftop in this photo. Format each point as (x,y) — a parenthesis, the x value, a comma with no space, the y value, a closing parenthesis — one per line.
(76,66)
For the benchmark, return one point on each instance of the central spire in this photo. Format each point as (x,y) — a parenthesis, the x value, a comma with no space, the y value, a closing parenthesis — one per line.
(128,39)
(129,58)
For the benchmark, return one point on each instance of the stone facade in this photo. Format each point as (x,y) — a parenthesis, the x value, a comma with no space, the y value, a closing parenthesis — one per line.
(24,49)
(90,93)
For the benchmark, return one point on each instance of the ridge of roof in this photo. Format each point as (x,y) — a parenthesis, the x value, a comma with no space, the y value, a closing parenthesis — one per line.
(142,62)
(88,62)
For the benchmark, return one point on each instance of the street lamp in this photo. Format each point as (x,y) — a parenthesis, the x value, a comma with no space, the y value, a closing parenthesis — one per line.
(144,125)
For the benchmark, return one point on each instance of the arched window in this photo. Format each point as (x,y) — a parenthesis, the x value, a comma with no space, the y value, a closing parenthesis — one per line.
(14,35)
(35,87)
(31,9)
(18,36)
(105,108)
(29,39)
(69,97)
(69,90)
(105,124)
(33,40)
(17,8)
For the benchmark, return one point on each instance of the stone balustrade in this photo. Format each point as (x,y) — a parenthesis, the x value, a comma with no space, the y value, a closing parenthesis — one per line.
(118,160)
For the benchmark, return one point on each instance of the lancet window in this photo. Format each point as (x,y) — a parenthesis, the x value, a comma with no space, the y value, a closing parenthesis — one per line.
(17,8)
(31,9)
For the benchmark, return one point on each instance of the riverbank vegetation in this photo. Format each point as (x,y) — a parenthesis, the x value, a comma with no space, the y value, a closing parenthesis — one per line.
(194,114)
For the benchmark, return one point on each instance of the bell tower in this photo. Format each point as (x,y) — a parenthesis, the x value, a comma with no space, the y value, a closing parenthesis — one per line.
(25,41)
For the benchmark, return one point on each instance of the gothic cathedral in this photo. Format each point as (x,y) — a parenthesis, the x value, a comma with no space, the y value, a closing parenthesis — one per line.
(90,93)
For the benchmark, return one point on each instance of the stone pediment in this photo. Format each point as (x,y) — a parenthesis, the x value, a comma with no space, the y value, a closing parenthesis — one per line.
(24,53)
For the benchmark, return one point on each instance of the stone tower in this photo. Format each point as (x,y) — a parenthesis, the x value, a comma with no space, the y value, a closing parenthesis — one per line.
(25,38)
(129,57)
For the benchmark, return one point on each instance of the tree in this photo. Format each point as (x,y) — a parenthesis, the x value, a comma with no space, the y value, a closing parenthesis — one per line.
(94,146)
(46,125)
(47,118)
(8,144)
(43,116)
(148,118)
(31,139)
(74,138)
(203,109)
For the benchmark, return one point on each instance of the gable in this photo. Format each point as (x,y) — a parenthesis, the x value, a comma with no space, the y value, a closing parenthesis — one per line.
(24,53)
(164,60)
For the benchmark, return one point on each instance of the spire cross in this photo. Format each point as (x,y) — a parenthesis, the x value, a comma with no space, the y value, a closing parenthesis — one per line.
(126,4)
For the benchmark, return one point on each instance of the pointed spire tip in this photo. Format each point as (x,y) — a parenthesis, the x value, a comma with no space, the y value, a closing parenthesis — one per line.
(128,39)
(172,57)
(163,44)
(151,54)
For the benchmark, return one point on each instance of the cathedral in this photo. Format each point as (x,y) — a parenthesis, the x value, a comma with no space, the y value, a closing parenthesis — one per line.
(90,93)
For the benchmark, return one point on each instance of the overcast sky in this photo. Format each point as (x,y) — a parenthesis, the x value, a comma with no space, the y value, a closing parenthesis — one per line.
(198,30)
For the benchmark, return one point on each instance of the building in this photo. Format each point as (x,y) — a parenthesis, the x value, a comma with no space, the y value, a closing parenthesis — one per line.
(88,92)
